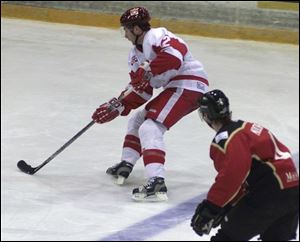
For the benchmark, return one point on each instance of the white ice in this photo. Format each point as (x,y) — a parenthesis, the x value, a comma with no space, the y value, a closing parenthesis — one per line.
(53,78)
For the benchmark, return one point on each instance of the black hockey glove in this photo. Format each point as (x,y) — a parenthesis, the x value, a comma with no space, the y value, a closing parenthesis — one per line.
(206,217)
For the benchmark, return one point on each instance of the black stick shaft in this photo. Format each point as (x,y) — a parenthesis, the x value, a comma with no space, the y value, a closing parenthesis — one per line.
(64,146)
(23,166)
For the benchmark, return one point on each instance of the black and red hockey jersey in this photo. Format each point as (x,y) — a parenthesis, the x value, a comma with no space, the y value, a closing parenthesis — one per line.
(248,154)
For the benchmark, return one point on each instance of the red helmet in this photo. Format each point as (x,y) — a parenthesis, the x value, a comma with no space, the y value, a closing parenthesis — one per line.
(136,16)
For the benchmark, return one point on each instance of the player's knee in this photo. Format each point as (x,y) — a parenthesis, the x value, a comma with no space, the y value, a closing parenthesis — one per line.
(136,121)
(147,129)
(151,134)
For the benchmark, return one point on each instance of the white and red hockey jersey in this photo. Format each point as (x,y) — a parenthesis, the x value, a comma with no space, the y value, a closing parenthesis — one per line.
(171,63)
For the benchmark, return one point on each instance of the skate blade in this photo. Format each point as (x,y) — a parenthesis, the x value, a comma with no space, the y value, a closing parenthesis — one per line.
(120,180)
(158,197)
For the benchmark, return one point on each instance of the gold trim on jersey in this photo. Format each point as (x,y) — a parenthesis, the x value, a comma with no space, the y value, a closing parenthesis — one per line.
(256,157)
(275,174)
(223,150)
(239,188)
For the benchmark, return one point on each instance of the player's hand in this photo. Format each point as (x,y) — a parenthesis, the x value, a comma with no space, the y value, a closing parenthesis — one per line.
(206,217)
(108,111)
(140,79)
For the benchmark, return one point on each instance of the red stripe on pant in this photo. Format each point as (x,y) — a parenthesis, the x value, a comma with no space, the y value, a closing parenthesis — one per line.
(132,142)
(153,156)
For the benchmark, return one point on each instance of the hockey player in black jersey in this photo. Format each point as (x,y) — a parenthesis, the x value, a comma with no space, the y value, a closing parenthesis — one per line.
(257,185)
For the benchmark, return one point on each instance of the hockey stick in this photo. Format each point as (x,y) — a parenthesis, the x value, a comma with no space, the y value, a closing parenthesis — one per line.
(23,166)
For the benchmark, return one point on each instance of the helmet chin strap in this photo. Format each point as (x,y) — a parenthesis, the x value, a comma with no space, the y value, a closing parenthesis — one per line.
(138,46)
(136,39)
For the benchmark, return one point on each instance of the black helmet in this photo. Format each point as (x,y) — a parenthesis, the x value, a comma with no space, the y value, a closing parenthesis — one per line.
(215,105)
(136,16)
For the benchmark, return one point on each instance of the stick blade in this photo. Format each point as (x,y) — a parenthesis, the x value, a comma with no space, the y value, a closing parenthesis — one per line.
(23,166)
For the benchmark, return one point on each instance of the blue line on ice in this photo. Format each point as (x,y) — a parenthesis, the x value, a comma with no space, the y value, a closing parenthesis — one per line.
(157,223)
(168,219)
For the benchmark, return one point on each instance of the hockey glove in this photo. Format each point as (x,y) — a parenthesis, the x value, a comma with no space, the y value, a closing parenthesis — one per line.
(108,111)
(206,217)
(140,79)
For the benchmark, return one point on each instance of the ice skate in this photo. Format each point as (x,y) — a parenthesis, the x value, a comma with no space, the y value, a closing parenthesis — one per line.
(120,171)
(154,191)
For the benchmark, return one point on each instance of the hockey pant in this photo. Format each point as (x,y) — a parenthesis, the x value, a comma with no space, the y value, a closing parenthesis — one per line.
(272,216)
(146,128)
(151,133)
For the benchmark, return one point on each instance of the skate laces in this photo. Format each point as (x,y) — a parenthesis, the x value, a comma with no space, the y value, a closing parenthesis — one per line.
(150,182)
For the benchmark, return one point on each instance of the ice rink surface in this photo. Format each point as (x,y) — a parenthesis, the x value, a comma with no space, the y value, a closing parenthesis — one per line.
(53,78)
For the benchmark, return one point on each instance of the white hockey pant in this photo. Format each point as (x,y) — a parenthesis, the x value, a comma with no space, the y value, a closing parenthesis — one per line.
(150,134)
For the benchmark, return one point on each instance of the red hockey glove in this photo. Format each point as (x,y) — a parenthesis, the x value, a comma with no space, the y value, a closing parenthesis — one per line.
(140,79)
(108,111)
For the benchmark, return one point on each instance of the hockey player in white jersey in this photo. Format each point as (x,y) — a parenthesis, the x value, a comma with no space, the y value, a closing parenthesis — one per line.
(158,59)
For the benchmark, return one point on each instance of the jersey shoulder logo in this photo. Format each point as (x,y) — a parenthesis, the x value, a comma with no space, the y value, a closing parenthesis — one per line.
(221,136)
(256,129)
